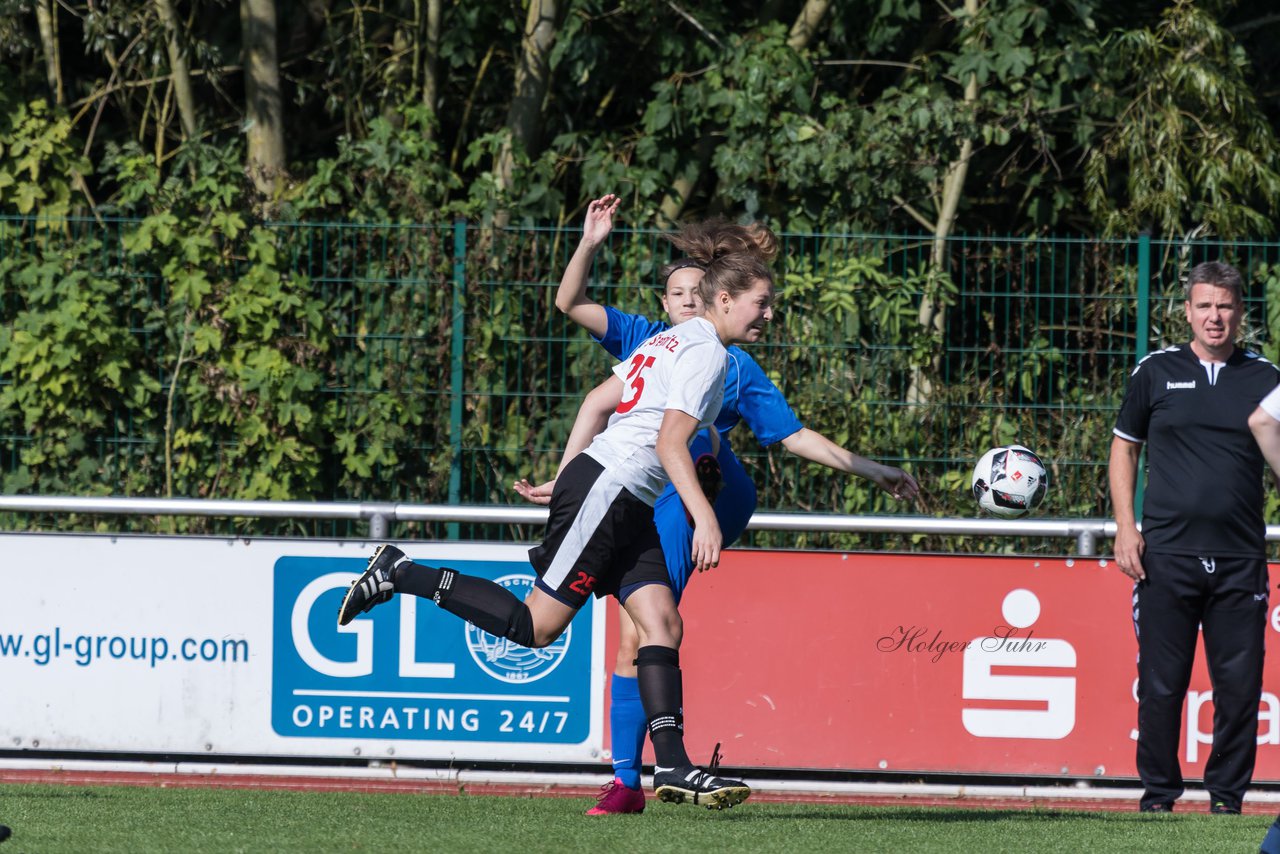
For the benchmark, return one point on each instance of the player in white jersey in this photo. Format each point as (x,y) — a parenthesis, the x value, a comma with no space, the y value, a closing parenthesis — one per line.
(750,398)
(674,369)
(1264,423)
(600,538)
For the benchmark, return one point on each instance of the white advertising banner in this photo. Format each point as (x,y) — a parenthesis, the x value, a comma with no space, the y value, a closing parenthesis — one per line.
(231,647)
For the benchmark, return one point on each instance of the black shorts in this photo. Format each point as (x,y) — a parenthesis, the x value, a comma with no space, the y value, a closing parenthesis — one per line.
(600,538)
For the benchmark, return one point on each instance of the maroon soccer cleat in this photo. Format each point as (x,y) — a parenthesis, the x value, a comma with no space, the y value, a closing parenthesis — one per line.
(616,799)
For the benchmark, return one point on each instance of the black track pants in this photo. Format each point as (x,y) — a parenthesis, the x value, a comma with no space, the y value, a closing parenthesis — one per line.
(1228,598)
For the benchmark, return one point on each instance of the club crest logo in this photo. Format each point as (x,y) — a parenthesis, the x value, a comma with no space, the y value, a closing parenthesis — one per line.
(507,661)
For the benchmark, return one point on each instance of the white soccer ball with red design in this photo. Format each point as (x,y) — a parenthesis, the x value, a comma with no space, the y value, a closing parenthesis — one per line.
(1010,481)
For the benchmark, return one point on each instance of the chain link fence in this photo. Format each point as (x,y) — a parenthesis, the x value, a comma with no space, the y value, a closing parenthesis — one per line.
(439,371)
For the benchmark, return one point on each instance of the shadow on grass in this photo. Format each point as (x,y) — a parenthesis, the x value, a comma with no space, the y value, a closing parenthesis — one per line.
(68,793)
(941,815)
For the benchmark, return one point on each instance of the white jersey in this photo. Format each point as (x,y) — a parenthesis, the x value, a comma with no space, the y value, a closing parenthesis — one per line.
(1271,403)
(681,368)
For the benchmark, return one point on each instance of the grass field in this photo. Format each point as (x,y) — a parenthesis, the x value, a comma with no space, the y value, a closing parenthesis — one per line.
(62,818)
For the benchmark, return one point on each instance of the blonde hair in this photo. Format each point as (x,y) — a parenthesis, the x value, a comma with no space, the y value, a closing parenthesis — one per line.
(735,272)
(707,240)
(731,256)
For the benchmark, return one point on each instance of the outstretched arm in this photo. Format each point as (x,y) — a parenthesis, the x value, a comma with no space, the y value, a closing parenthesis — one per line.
(593,416)
(571,296)
(815,447)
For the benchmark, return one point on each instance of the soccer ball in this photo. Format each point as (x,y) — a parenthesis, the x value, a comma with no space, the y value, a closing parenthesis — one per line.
(1009,481)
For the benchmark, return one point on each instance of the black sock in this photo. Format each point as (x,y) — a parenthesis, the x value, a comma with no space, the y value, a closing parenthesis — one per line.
(662,693)
(416,578)
(486,605)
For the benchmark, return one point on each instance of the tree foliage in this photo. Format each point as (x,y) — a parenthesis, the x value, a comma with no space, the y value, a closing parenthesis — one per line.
(226,332)
(1187,147)
(1088,116)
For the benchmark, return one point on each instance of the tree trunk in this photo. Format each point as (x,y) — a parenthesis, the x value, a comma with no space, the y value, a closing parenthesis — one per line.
(264,125)
(47,23)
(179,72)
(431,65)
(933,315)
(801,35)
(682,187)
(524,116)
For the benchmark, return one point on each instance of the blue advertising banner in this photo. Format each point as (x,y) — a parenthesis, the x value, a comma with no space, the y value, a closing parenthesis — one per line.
(407,670)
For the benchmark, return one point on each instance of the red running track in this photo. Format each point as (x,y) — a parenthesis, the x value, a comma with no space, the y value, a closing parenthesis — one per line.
(441,787)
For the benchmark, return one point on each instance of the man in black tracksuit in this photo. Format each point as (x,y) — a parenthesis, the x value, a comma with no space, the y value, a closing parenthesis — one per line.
(1200,559)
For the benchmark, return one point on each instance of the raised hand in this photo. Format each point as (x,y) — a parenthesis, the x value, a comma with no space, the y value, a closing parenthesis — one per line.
(599,221)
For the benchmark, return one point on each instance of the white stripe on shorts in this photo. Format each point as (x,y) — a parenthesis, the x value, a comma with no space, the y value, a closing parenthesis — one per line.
(591,513)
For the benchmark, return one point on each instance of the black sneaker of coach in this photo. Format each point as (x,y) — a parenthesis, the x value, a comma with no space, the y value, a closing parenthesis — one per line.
(374,586)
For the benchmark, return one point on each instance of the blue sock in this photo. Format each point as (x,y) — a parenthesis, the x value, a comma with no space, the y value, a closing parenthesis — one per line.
(1271,842)
(627,727)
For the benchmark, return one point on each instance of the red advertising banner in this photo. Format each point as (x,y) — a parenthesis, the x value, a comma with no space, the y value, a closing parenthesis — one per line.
(993,665)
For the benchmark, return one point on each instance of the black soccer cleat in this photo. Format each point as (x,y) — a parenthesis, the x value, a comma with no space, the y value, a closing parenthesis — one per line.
(690,785)
(374,586)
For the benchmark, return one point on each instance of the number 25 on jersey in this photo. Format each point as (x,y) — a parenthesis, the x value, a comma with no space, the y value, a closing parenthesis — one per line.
(635,381)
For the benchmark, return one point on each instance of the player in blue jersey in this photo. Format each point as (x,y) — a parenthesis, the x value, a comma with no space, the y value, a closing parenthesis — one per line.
(749,396)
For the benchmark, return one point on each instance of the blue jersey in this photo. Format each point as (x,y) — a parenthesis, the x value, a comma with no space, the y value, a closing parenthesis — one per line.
(750,396)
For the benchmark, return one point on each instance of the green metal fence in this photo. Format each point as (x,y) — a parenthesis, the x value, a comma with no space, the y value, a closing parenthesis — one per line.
(441,343)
